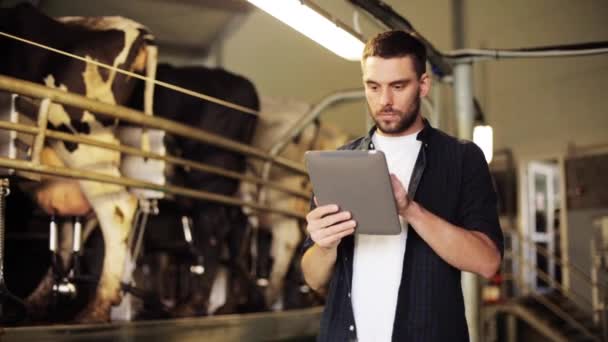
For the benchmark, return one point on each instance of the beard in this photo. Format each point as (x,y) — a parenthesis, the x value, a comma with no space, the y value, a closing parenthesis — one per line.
(406,118)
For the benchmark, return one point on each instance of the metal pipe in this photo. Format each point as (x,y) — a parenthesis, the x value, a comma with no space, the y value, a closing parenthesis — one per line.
(99,177)
(53,235)
(385,14)
(167,158)
(307,119)
(595,292)
(463,98)
(463,89)
(186,223)
(4,191)
(77,238)
(43,116)
(303,122)
(130,115)
(436,107)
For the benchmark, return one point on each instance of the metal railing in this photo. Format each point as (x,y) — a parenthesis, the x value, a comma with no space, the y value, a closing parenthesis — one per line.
(44,96)
(520,264)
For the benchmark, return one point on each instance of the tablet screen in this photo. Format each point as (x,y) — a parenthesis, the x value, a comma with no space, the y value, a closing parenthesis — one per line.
(359,182)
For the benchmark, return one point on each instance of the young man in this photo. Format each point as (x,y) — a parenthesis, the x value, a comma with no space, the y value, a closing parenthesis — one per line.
(406,287)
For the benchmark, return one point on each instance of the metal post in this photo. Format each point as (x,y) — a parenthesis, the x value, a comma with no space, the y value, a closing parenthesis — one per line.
(43,116)
(7,299)
(595,293)
(463,91)
(511,328)
(3,290)
(4,186)
(436,117)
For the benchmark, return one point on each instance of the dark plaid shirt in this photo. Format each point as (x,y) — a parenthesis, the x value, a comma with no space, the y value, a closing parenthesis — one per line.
(450,179)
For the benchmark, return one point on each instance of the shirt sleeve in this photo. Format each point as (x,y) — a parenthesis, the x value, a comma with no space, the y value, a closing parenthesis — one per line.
(479,208)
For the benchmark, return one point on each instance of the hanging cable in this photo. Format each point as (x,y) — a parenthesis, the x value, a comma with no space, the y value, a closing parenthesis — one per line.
(138,76)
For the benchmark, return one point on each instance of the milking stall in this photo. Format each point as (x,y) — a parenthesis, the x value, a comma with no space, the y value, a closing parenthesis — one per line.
(153,184)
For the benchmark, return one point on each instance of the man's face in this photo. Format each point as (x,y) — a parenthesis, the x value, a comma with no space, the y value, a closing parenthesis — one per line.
(393,91)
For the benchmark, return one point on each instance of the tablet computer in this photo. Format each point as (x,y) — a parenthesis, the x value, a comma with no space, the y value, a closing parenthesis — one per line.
(359,182)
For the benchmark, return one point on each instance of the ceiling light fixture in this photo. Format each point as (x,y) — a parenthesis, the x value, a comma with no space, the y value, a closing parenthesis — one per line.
(313,22)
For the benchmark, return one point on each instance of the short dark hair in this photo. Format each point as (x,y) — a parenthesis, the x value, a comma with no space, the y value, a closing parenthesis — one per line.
(394,44)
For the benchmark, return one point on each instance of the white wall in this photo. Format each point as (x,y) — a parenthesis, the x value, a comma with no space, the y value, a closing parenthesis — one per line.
(536,106)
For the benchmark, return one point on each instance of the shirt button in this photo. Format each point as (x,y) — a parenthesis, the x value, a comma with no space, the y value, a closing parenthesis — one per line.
(351,328)
(349,295)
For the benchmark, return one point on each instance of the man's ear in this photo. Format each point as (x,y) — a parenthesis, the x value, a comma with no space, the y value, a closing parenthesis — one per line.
(425,84)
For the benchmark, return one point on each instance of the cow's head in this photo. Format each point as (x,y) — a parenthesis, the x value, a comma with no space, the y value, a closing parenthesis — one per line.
(115,41)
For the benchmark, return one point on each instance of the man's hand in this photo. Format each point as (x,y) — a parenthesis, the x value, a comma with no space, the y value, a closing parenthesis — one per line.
(327,225)
(402,199)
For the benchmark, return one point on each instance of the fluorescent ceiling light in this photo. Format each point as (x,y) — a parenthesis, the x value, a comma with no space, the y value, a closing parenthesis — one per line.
(483,136)
(311,22)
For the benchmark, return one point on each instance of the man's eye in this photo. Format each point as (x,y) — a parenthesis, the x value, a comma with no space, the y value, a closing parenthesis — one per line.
(398,86)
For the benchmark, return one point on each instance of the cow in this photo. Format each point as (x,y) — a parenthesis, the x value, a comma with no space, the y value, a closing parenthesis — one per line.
(277,116)
(219,232)
(116,41)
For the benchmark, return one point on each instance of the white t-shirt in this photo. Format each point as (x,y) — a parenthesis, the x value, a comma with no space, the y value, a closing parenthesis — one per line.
(378,259)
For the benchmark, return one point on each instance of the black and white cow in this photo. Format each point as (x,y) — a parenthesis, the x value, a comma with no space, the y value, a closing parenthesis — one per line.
(118,42)
(219,231)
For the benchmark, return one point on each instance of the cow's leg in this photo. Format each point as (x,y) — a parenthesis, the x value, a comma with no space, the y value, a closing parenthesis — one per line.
(115,213)
(115,209)
(285,238)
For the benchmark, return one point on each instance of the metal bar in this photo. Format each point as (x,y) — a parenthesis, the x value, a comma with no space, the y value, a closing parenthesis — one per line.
(595,291)
(563,226)
(130,115)
(516,310)
(552,283)
(307,119)
(436,113)
(98,177)
(314,113)
(544,252)
(137,152)
(463,99)
(4,191)
(290,325)
(463,90)
(43,116)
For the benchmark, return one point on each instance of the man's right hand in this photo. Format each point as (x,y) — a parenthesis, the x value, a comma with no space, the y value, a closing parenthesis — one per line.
(327,225)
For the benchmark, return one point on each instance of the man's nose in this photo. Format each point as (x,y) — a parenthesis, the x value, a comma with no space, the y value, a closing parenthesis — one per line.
(386,97)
